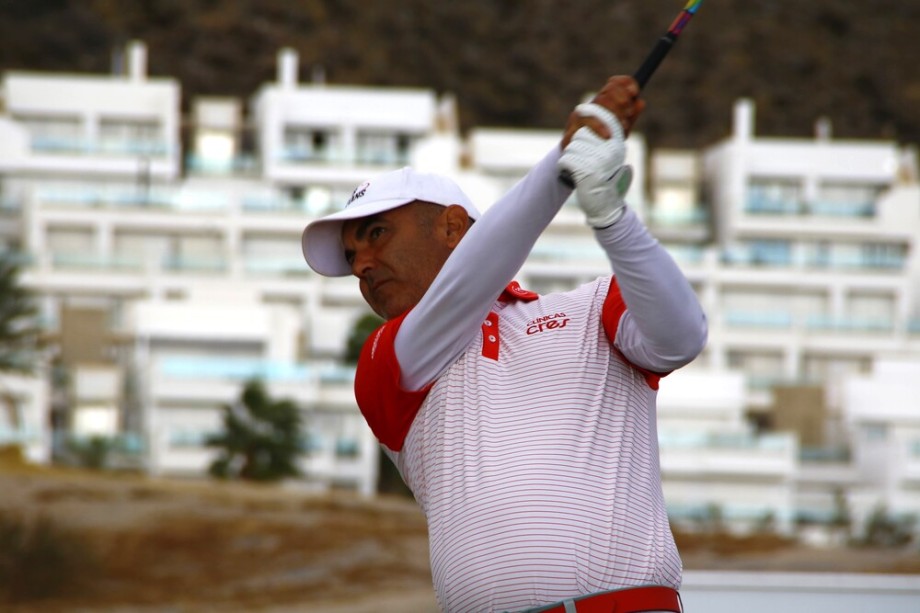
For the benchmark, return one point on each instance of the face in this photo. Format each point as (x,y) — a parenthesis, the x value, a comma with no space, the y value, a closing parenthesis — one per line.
(397,254)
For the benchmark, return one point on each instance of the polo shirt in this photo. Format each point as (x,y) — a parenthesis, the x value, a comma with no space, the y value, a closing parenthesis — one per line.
(534,456)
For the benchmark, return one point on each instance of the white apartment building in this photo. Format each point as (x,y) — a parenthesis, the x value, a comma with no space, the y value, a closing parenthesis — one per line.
(169,288)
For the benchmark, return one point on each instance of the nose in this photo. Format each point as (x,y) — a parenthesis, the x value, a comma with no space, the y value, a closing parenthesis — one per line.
(362,263)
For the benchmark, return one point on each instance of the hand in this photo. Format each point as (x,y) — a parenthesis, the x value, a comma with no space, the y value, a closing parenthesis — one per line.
(596,167)
(620,96)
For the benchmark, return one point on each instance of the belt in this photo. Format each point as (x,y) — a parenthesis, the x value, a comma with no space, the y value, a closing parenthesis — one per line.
(630,600)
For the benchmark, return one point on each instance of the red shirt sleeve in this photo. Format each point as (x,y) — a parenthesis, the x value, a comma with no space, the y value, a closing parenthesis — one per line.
(388,408)
(614,308)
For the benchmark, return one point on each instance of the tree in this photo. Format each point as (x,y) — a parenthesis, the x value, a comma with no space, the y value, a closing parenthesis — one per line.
(20,335)
(362,329)
(261,438)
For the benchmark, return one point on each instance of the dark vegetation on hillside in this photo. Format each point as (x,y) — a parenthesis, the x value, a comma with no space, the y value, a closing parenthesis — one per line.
(519,62)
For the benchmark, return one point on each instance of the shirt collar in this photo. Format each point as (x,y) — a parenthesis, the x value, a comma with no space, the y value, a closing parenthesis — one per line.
(513,291)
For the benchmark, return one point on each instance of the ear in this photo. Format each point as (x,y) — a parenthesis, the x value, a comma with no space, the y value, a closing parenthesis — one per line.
(454,223)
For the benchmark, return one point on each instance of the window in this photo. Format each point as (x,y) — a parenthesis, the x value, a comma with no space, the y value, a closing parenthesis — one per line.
(772,196)
(303,144)
(383,148)
(130,137)
(54,134)
(770,252)
(845,199)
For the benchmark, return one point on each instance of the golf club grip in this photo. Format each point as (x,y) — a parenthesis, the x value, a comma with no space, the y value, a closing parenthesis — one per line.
(658,53)
(648,67)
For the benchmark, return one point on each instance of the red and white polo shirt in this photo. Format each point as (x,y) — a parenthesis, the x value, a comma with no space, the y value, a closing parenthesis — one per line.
(534,455)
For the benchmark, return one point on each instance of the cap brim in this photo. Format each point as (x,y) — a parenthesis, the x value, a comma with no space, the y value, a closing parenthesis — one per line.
(321,240)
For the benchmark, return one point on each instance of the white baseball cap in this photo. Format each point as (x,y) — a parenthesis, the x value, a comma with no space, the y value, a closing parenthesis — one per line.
(322,239)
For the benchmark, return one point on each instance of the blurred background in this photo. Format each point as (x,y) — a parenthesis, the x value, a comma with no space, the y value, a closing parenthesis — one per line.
(161,335)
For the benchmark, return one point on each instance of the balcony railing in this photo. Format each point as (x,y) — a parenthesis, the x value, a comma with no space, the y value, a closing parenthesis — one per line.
(773,443)
(296,155)
(72,146)
(785,320)
(741,256)
(276,266)
(162,199)
(693,217)
(18,436)
(759,319)
(244,369)
(86,261)
(849,324)
(762,205)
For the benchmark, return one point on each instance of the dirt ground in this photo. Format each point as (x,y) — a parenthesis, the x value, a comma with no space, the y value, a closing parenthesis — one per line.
(132,544)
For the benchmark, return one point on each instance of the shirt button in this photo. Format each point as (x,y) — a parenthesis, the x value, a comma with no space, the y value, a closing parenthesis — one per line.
(491,339)
(487,323)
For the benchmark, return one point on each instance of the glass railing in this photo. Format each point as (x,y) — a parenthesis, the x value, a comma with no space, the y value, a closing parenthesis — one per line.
(758,319)
(686,254)
(272,203)
(297,155)
(717,511)
(841,209)
(725,441)
(825,455)
(849,324)
(181,200)
(18,436)
(761,205)
(245,369)
(190,439)
(127,148)
(577,250)
(242,164)
(87,197)
(741,256)
(693,217)
(88,261)
(194,264)
(278,266)
(784,320)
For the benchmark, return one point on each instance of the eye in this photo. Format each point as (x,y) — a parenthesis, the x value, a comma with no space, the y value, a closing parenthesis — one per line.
(375,232)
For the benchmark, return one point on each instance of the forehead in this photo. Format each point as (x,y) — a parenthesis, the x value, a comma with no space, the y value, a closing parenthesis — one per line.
(355,228)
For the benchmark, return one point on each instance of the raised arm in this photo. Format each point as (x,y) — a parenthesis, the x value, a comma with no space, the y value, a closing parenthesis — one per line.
(664,326)
(451,312)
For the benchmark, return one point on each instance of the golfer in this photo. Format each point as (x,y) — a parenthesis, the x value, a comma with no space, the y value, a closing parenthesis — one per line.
(524,424)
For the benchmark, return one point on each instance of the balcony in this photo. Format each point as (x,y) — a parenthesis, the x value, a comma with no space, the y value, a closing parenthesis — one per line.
(827,323)
(784,320)
(80,147)
(759,319)
(780,257)
(736,453)
(758,204)
(19,436)
(245,369)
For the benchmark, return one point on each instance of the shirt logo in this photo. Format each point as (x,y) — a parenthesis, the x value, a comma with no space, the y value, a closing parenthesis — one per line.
(556,321)
(359,191)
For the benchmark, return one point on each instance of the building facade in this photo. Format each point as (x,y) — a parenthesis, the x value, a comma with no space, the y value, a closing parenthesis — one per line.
(168,267)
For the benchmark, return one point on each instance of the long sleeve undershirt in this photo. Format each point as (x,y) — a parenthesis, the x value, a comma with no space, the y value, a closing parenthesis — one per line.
(663,327)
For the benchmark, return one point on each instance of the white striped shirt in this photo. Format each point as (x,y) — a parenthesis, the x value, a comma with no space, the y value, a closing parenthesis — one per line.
(529,440)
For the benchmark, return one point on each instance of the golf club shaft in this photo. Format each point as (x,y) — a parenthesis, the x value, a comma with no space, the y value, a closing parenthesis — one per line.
(658,53)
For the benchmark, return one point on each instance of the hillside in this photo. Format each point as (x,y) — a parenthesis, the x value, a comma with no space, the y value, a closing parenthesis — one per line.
(520,62)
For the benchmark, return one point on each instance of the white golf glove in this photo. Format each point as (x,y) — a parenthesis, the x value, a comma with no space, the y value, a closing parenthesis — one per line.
(596,166)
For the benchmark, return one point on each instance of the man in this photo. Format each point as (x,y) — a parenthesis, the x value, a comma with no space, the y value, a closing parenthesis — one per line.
(524,424)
